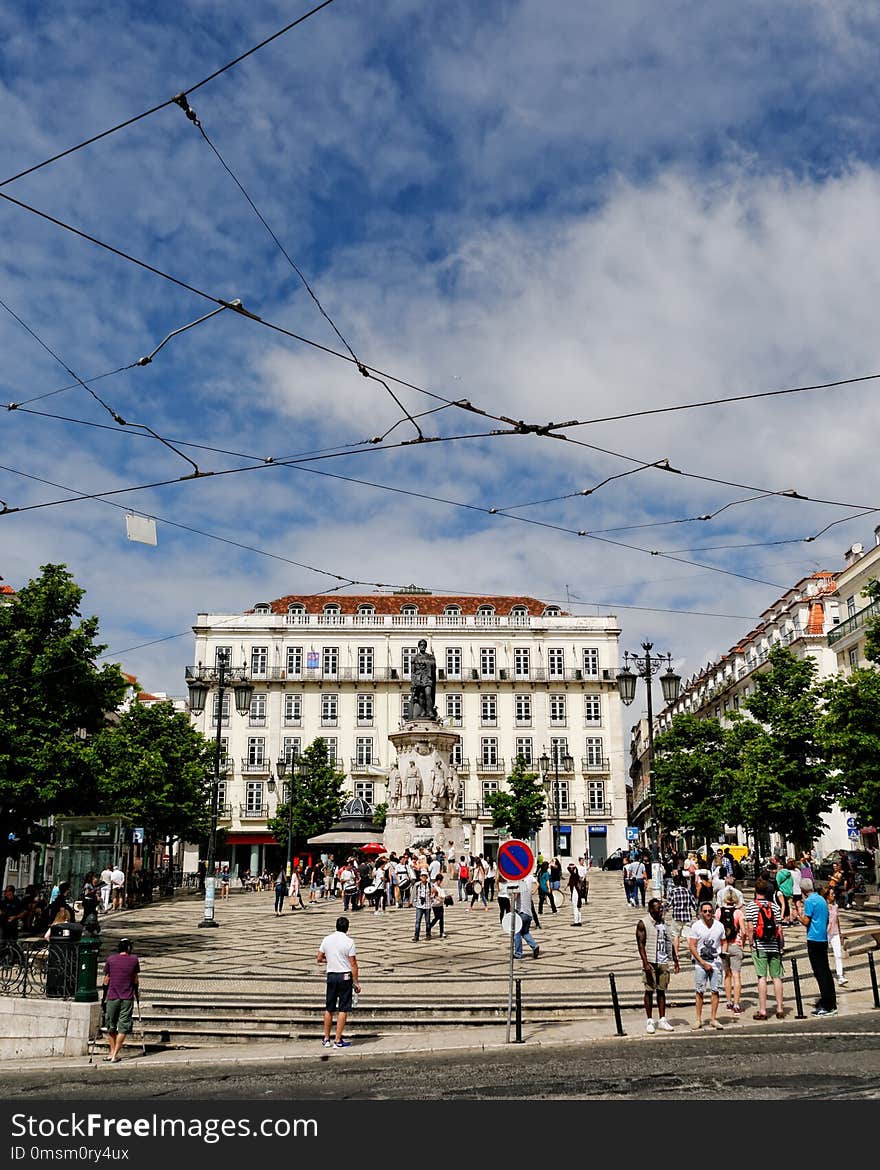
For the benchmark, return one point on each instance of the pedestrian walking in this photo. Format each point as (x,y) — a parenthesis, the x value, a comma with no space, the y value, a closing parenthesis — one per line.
(121,978)
(280,893)
(438,904)
(706,935)
(545,890)
(834,938)
(814,917)
(491,875)
(424,904)
(733,920)
(524,909)
(339,952)
(106,887)
(463,876)
(765,939)
(295,888)
(575,888)
(658,951)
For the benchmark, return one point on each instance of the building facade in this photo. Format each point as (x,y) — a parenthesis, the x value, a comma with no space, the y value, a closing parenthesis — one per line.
(802,619)
(847,638)
(515,678)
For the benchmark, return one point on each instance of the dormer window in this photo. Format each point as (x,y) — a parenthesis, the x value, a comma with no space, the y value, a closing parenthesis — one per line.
(552,611)
(331,609)
(452,610)
(296,607)
(409,610)
(262,607)
(366,609)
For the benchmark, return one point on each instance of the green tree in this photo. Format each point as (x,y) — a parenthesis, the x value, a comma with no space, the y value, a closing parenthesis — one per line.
(690,776)
(872,625)
(521,811)
(380,815)
(317,797)
(782,782)
(53,698)
(156,770)
(849,732)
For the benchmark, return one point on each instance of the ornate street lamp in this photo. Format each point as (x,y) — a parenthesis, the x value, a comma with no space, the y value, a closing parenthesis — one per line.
(567,766)
(646,666)
(299,769)
(200,682)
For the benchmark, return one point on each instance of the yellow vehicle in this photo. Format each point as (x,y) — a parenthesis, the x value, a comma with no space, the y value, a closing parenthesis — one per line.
(737,852)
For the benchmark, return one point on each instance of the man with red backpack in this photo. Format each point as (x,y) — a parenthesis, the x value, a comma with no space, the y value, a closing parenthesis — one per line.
(767,942)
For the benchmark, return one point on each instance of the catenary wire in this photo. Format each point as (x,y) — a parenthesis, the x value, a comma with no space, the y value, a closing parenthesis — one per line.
(169,101)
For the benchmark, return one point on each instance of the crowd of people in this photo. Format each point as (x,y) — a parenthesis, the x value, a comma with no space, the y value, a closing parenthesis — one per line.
(708,911)
(34,912)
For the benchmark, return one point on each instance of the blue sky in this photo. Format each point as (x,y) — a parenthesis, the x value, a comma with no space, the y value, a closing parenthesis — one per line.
(556,211)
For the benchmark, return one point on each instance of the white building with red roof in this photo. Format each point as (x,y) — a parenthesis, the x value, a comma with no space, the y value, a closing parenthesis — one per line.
(515,677)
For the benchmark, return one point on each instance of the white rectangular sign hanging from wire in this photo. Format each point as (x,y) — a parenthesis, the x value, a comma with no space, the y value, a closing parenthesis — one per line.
(140,528)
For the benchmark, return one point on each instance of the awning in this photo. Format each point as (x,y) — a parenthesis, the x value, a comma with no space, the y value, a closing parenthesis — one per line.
(250,839)
(352,837)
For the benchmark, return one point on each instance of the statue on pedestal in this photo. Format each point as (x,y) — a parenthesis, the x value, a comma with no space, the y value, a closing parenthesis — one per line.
(412,787)
(438,786)
(423,685)
(395,787)
(453,786)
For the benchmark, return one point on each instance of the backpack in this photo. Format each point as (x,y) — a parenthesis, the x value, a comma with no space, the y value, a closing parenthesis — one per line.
(738,872)
(766,928)
(728,921)
(463,871)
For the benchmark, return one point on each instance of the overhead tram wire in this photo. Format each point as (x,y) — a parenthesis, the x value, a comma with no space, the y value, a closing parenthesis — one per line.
(169,101)
(181,100)
(549,430)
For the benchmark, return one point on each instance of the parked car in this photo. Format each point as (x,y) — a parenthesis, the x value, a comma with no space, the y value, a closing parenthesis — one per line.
(860,860)
(616,860)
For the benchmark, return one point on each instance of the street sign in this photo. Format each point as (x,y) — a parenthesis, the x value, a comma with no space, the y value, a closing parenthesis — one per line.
(632,833)
(515,859)
(851,823)
(853,834)
(511,922)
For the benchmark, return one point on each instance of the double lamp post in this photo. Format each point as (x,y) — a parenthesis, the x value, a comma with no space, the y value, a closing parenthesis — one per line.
(565,761)
(646,666)
(299,769)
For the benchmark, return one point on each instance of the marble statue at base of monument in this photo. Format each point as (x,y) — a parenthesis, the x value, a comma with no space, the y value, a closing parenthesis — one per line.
(424,790)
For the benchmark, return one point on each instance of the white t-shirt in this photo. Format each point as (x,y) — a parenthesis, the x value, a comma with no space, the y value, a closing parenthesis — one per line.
(117,878)
(339,949)
(524,897)
(434,869)
(709,939)
(106,876)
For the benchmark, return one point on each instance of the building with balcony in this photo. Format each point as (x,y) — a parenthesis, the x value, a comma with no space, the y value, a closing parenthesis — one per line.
(802,619)
(847,638)
(516,677)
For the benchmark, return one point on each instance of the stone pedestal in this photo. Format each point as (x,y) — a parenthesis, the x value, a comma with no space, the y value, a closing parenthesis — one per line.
(424,812)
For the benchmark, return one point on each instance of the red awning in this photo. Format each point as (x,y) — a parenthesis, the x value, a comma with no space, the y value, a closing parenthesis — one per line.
(250,839)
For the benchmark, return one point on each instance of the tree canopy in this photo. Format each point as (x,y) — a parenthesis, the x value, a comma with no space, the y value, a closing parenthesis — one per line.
(155,769)
(521,811)
(53,698)
(317,797)
(850,737)
(691,778)
(872,626)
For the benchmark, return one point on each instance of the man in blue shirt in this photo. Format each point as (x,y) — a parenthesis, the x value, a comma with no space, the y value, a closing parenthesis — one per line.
(814,917)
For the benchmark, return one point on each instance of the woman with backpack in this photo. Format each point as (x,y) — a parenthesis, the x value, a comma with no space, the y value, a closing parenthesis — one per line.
(545,890)
(785,888)
(733,920)
(576,893)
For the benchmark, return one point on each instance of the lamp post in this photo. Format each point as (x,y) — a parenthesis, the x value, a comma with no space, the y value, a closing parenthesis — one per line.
(567,766)
(199,683)
(646,666)
(298,769)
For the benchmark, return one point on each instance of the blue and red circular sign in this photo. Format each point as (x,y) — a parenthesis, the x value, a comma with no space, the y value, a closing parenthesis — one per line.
(515,860)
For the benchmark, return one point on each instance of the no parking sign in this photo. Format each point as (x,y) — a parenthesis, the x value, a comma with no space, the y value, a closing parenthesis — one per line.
(515,860)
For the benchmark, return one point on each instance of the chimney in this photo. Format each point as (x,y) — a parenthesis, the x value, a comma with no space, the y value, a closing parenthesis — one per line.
(852,554)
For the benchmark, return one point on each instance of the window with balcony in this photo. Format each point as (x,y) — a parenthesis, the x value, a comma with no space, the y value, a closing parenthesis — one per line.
(457,754)
(596,796)
(591,661)
(366,610)
(522,662)
(409,610)
(487,661)
(291,748)
(365,710)
(593,753)
(225,762)
(257,712)
(453,661)
(331,610)
(489,787)
(329,710)
(366,660)
(222,654)
(489,751)
(296,607)
(330,661)
(221,798)
(293,661)
(557,711)
(226,701)
(560,791)
(259,661)
(558,749)
(452,613)
(525,749)
(489,710)
(254,797)
(556,662)
(293,710)
(854,658)
(851,607)
(519,616)
(406,657)
(363,750)
(522,710)
(364,790)
(404,708)
(332,749)
(256,751)
(593,710)
(453,709)
(486,615)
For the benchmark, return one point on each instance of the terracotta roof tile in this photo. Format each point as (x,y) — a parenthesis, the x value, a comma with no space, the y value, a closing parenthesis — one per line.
(391,603)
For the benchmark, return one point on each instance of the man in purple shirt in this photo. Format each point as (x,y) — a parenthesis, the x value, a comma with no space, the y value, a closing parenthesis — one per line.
(121,977)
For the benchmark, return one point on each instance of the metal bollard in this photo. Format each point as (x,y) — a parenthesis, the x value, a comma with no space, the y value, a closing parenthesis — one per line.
(872,970)
(797,991)
(518,1022)
(615,1003)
